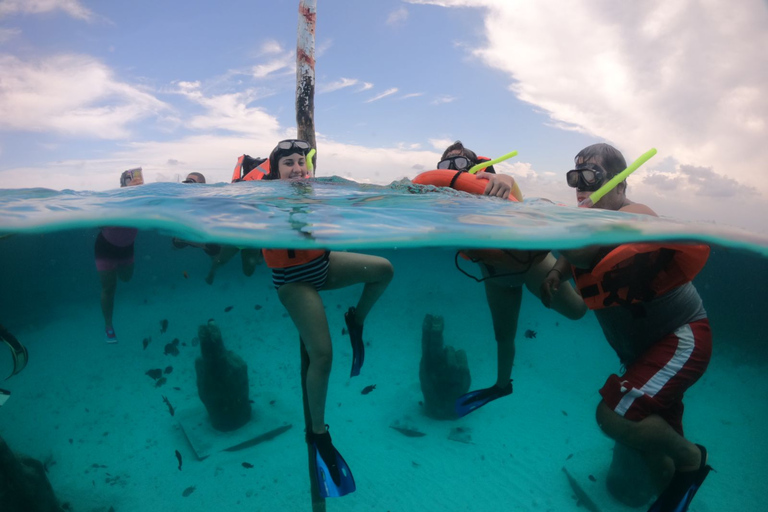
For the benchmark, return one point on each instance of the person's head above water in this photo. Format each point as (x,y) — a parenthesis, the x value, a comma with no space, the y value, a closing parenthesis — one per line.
(132,177)
(194,177)
(595,165)
(459,158)
(288,160)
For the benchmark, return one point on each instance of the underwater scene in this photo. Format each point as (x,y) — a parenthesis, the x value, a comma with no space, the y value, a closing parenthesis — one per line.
(128,423)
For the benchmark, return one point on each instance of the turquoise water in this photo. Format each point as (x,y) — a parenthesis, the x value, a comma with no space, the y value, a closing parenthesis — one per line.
(89,410)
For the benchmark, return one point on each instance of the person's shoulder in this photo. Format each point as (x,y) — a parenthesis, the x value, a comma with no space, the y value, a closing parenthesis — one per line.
(638,208)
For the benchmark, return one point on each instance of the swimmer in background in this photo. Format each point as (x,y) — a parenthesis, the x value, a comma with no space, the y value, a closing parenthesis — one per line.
(113,254)
(504,275)
(220,254)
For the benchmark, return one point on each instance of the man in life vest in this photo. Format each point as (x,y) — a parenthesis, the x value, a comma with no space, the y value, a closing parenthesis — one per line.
(653,317)
(505,272)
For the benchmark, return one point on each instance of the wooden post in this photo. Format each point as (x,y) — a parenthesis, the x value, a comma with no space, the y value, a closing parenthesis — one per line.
(318,502)
(305,73)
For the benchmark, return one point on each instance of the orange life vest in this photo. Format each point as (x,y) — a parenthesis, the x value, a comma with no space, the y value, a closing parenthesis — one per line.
(633,273)
(284,258)
(250,169)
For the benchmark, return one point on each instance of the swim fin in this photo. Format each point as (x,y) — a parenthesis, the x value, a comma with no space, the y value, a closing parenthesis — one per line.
(334,478)
(356,337)
(465,404)
(681,490)
(19,351)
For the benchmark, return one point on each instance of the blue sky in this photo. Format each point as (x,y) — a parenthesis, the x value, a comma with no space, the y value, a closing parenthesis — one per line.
(89,88)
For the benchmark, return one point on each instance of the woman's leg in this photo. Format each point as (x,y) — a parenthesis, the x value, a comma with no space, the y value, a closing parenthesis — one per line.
(305,307)
(218,260)
(348,268)
(108,286)
(250,258)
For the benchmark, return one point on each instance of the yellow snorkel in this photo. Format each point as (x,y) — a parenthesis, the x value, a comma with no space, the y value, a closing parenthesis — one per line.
(479,166)
(310,167)
(599,193)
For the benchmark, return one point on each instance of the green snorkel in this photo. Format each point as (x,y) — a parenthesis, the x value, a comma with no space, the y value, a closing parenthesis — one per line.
(310,167)
(599,193)
(479,166)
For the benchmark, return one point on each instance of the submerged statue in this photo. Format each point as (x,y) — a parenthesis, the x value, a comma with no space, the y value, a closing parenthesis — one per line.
(443,371)
(24,486)
(222,381)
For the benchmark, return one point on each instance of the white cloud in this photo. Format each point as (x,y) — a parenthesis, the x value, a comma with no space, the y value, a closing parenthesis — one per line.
(441,144)
(397,17)
(271,47)
(71,7)
(388,92)
(338,84)
(365,87)
(7,34)
(441,100)
(684,77)
(70,94)
(412,95)
(229,112)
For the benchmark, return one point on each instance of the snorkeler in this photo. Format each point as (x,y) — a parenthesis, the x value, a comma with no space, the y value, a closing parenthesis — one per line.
(653,317)
(114,257)
(220,254)
(503,274)
(299,275)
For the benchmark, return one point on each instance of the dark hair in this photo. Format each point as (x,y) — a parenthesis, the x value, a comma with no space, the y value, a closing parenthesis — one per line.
(458,146)
(199,176)
(608,157)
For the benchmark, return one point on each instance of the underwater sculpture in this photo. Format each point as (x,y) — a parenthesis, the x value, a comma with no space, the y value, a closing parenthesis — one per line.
(443,371)
(222,381)
(24,487)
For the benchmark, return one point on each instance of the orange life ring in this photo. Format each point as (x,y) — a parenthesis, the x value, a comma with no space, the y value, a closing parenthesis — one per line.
(461,180)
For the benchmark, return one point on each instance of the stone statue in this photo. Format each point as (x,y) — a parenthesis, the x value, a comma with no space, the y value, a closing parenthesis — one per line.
(443,371)
(222,381)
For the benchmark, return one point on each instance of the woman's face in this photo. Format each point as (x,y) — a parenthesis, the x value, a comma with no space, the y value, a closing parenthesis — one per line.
(292,167)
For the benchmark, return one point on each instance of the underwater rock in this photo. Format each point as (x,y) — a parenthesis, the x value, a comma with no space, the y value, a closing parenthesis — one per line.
(24,487)
(222,381)
(443,371)
(629,478)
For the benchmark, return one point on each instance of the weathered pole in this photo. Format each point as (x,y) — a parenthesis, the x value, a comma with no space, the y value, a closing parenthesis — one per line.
(305,72)
(305,123)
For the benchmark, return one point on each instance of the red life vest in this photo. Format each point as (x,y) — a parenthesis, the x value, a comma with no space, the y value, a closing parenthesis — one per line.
(284,258)
(250,169)
(633,273)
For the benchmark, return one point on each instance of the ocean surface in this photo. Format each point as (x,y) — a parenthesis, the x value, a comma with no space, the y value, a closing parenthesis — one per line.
(102,427)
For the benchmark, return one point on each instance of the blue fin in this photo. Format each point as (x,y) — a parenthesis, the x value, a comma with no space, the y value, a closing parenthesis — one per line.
(356,337)
(467,403)
(334,478)
(679,493)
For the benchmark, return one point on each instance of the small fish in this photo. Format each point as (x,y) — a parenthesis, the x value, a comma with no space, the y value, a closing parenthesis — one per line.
(530,334)
(146,342)
(407,431)
(175,341)
(368,389)
(343,331)
(155,373)
(168,369)
(564,413)
(160,382)
(272,402)
(163,326)
(569,457)
(170,407)
(228,309)
(177,388)
(257,307)
(170,349)
(186,276)
(247,465)
(188,491)
(591,477)
(178,457)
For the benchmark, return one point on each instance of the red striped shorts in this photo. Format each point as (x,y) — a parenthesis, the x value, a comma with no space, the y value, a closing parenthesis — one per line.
(656,381)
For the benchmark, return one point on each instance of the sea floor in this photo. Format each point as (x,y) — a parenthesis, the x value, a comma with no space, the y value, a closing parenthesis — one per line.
(88,410)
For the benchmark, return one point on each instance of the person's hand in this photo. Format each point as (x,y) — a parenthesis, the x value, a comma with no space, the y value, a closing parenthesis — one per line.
(499,185)
(549,287)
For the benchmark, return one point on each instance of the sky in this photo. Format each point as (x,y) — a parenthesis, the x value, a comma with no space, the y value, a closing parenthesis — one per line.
(89,89)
